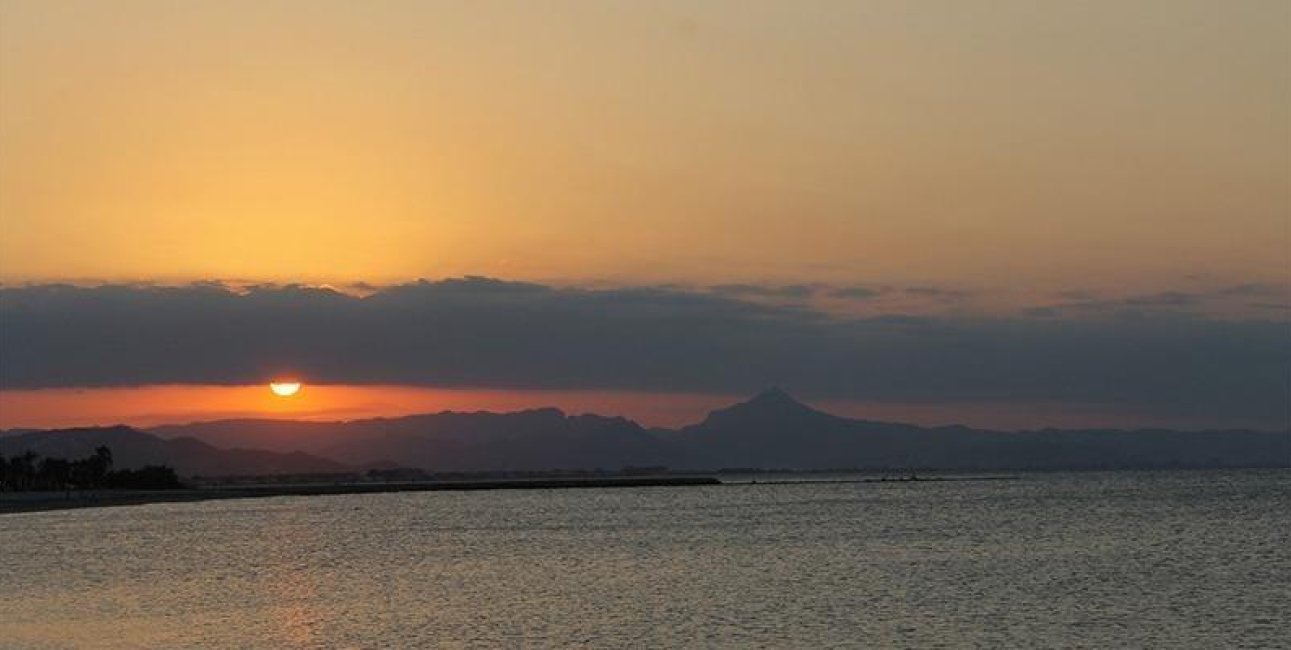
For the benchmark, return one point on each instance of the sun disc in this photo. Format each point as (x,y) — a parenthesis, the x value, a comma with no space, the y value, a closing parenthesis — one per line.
(284,388)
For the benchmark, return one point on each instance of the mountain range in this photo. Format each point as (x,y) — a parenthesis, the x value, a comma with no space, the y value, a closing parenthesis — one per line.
(132,449)
(771,430)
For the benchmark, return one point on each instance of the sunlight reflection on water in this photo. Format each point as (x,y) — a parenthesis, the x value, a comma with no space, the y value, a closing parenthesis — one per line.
(1129,559)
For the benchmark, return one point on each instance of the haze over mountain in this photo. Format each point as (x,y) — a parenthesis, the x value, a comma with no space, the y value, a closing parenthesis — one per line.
(775,430)
(526,440)
(771,430)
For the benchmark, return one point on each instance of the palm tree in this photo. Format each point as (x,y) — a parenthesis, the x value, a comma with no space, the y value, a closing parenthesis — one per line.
(99,466)
(104,456)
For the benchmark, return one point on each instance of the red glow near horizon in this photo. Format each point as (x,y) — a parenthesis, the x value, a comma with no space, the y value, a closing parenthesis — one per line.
(145,406)
(153,405)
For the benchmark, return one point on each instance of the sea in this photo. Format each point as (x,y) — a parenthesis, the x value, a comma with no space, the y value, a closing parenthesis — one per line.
(1186,559)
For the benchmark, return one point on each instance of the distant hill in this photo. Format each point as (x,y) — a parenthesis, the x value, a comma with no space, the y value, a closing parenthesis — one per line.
(526,440)
(775,430)
(771,430)
(132,449)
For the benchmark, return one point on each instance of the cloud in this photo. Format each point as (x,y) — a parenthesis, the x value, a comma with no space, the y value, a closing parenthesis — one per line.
(937,293)
(850,292)
(1255,289)
(1250,299)
(483,332)
(1274,306)
(791,291)
(1165,299)
(857,292)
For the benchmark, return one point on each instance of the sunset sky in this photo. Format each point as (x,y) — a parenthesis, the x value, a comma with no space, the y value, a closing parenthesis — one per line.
(1001,213)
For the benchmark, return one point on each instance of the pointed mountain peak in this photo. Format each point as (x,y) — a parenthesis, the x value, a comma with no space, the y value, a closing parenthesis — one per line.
(774,395)
(773,403)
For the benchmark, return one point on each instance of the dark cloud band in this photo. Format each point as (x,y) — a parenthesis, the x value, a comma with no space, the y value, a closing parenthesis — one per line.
(482,332)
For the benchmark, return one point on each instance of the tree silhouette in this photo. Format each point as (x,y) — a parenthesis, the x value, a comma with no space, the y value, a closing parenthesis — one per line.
(30,472)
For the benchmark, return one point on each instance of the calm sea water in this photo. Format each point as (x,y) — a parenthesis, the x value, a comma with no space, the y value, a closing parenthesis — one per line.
(1187,559)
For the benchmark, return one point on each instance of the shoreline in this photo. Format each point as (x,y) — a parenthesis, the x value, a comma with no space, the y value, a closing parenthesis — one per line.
(898,479)
(20,502)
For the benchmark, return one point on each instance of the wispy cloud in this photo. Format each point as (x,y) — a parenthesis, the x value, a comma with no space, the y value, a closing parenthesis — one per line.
(794,291)
(858,292)
(1248,299)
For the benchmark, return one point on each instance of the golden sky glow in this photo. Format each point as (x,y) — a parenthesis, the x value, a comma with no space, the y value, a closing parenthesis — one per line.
(151,405)
(1091,144)
(1050,161)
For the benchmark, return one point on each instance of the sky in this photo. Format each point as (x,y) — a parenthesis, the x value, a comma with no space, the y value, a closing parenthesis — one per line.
(1008,214)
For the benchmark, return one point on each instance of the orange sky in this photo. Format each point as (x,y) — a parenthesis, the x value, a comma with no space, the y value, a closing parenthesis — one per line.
(1010,149)
(153,405)
(1096,145)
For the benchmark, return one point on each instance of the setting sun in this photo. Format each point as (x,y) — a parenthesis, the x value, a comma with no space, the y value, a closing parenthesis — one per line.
(904,272)
(284,388)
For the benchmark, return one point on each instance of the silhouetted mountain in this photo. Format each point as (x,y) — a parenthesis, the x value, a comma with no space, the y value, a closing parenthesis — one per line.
(774,430)
(771,430)
(772,403)
(132,449)
(450,441)
(270,435)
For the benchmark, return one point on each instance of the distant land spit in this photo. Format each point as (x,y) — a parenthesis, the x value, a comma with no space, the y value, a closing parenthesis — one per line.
(33,502)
